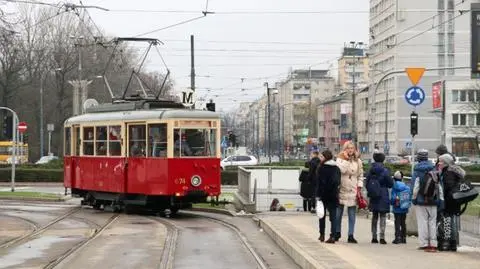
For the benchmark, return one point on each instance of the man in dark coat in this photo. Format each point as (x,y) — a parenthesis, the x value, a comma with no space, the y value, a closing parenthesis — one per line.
(328,181)
(379,204)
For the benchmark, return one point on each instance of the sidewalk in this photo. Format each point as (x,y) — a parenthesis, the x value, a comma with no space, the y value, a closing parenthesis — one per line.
(297,234)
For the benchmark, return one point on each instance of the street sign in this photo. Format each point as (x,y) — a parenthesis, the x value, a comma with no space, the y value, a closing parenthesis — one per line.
(415,96)
(50,127)
(22,127)
(415,74)
(408,145)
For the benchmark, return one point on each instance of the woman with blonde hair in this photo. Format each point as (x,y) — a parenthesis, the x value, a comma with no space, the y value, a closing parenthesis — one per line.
(351,182)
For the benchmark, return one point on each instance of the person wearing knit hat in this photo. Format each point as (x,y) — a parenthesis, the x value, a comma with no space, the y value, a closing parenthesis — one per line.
(422,155)
(442,149)
(379,181)
(379,157)
(400,201)
(425,209)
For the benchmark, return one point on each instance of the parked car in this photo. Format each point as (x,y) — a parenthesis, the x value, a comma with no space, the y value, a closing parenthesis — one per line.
(238,160)
(463,161)
(396,160)
(46,159)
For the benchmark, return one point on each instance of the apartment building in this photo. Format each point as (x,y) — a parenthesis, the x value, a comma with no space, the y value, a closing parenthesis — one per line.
(400,38)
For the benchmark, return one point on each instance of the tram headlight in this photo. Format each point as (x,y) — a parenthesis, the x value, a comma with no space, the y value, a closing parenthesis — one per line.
(196,181)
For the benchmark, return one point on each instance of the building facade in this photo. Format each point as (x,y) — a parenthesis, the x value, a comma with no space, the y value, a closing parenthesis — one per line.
(298,97)
(353,68)
(462,117)
(399,39)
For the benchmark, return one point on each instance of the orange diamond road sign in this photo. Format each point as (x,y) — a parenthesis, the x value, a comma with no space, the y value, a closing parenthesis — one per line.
(415,74)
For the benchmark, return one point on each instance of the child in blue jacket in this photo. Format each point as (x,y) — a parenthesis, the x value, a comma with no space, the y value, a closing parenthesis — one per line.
(400,201)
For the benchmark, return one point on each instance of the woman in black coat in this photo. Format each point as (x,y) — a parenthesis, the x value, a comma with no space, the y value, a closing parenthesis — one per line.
(328,182)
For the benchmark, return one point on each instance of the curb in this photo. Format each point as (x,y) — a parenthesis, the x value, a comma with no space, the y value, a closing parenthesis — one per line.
(26,199)
(300,257)
(213,210)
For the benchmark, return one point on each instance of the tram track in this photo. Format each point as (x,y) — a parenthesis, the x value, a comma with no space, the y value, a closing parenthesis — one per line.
(174,227)
(77,248)
(38,230)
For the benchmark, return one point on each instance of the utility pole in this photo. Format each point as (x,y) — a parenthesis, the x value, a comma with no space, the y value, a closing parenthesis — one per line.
(386,146)
(354,106)
(41,118)
(192,61)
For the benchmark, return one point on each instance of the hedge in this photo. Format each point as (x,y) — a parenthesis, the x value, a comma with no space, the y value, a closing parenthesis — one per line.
(228,177)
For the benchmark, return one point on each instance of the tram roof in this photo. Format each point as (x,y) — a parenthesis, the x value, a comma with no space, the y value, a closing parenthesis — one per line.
(135,115)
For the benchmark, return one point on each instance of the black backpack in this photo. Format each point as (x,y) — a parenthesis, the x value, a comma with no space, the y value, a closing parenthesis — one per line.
(429,186)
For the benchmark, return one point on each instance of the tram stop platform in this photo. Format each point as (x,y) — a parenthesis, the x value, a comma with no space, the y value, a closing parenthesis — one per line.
(297,234)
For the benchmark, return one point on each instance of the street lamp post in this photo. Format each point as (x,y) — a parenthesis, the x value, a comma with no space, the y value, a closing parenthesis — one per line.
(269,92)
(354,45)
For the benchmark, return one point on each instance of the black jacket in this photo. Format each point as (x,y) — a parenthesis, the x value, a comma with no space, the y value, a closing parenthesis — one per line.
(451,175)
(328,182)
(307,187)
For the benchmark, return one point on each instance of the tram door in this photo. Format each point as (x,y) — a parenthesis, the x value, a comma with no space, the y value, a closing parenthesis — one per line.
(135,154)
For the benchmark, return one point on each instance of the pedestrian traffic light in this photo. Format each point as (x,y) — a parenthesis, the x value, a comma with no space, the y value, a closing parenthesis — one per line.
(413,124)
(7,127)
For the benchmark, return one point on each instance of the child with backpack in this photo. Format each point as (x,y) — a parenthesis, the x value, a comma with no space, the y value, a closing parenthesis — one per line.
(400,201)
(378,183)
(427,196)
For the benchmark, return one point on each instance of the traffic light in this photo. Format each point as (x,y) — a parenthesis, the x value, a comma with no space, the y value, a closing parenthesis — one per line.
(7,127)
(413,124)
(211,107)
(232,139)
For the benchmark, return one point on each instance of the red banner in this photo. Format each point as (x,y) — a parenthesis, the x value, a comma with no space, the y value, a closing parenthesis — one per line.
(437,94)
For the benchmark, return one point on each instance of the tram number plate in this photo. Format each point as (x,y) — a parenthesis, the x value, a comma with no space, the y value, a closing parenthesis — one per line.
(180,181)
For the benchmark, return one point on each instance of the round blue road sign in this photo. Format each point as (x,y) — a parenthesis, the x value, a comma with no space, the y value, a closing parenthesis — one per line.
(415,96)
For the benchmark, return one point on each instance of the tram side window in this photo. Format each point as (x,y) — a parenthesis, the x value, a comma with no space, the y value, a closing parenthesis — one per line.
(101,141)
(136,143)
(194,142)
(67,141)
(78,141)
(115,140)
(157,140)
(88,140)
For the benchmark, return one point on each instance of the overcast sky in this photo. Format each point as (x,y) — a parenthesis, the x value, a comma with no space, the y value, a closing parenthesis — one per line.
(233,44)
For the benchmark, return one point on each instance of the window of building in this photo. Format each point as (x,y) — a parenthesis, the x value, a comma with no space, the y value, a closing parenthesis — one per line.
(463,96)
(136,140)
(455,96)
(478,119)
(455,119)
(463,119)
(114,140)
(67,141)
(101,141)
(471,95)
(472,118)
(478,96)
(157,140)
(88,141)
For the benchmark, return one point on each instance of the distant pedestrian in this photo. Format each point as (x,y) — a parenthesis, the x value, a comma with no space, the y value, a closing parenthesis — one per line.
(328,181)
(377,184)
(427,195)
(442,149)
(400,201)
(312,172)
(306,188)
(351,182)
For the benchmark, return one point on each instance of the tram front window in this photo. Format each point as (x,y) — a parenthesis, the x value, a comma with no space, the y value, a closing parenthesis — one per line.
(194,142)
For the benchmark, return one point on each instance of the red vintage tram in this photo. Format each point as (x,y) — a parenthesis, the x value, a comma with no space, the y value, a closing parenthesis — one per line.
(149,153)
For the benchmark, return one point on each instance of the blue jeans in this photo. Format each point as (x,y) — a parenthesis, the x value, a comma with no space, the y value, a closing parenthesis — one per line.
(351,210)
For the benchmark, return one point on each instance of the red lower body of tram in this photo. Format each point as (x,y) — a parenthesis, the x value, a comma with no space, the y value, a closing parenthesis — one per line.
(156,183)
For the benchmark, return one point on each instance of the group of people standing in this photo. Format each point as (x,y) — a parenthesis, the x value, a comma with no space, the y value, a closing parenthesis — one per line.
(338,185)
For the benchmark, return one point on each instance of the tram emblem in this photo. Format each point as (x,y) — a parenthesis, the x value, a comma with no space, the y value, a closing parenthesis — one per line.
(188,98)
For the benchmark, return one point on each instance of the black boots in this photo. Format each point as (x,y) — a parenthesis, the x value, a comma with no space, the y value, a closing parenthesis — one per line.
(337,236)
(352,240)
